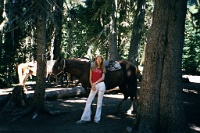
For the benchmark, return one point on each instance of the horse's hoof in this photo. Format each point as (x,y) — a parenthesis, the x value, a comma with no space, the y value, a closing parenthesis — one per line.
(129,112)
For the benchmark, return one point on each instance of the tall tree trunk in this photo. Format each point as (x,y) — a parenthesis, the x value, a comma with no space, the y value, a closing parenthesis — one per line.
(137,31)
(58,28)
(161,104)
(1,28)
(113,32)
(39,95)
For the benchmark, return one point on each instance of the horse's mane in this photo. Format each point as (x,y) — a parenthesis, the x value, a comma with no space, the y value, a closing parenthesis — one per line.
(78,63)
(81,59)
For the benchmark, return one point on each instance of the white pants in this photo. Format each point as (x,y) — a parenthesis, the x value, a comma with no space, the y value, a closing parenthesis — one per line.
(86,116)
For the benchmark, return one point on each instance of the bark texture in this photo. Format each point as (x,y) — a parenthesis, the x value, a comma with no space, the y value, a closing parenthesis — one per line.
(161,105)
(113,32)
(38,100)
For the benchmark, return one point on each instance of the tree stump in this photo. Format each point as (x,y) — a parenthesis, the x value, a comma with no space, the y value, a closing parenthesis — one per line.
(15,99)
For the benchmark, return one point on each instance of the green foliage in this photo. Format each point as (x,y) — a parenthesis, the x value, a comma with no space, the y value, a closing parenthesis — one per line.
(82,28)
(191,50)
(85,30)
(87,26)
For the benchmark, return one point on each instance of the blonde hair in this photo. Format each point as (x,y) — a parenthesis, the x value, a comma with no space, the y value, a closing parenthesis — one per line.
(101,65)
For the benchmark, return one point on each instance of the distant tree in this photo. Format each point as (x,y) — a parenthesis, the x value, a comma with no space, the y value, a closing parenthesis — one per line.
(1,29)
(58,28)
(161,104)
(112,43)
(191,51)
(137,30)
(2,79)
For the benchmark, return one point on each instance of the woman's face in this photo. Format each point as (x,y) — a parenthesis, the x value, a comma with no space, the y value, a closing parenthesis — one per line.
(99,60)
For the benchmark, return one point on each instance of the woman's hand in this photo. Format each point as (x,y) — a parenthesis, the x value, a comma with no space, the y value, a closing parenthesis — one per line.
(93,86)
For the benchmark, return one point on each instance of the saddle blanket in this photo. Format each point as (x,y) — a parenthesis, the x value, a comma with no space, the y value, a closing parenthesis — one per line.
(110,65)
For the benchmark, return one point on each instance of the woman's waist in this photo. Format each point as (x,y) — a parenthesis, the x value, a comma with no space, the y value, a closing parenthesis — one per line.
(95,81)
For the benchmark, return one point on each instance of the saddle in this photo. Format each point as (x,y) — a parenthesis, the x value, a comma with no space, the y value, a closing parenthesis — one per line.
(112,65)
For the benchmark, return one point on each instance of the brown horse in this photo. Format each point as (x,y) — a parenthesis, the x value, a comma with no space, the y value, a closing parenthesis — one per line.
(28,69)
(125,78)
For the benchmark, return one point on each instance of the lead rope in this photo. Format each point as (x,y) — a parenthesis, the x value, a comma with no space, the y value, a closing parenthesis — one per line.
(56,75)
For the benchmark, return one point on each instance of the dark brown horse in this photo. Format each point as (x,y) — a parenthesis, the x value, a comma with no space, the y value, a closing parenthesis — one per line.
(125,78)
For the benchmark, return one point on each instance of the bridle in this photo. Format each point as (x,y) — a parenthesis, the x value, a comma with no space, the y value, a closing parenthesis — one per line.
(58,74)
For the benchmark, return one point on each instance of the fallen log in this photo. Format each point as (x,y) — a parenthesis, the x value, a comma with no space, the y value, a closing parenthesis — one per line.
(50,94)
(58,93)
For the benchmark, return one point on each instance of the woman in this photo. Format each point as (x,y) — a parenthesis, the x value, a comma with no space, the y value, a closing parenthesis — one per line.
(97,75)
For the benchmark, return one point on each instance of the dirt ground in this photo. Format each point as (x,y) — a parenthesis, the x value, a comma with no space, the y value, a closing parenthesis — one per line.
(111,122)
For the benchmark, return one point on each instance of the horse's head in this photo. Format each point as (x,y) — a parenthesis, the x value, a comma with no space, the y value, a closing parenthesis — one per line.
(58,67)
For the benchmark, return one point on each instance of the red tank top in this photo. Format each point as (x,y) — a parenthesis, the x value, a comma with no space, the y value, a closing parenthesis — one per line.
(96,74)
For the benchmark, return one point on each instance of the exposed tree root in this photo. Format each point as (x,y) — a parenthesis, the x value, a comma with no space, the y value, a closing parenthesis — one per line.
(16,115)
(16,105)
(49,112)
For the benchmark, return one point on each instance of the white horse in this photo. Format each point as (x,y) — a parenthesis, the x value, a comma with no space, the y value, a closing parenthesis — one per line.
(30,68)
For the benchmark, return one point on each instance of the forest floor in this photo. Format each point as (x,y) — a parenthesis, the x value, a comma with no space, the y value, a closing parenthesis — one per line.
(111,121)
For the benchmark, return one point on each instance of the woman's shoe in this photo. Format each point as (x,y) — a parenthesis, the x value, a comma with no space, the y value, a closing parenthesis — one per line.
(96,122)
(81,122)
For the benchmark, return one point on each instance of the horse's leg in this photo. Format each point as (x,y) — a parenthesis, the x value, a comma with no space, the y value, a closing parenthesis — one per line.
(120,105)
(123,89)
(133,97)
(31,76)
(67,78)
(24,81)
(133,107)
(62,79)
(19,70)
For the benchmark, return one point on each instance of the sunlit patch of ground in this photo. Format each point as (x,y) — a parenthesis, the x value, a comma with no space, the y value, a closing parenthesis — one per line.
(190,91)
(195,128)
(192,78)
(114,96)
(78,100)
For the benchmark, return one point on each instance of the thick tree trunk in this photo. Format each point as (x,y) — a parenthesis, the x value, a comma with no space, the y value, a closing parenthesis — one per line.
(137,31)
(161,105)
(113,33)
(38,100)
